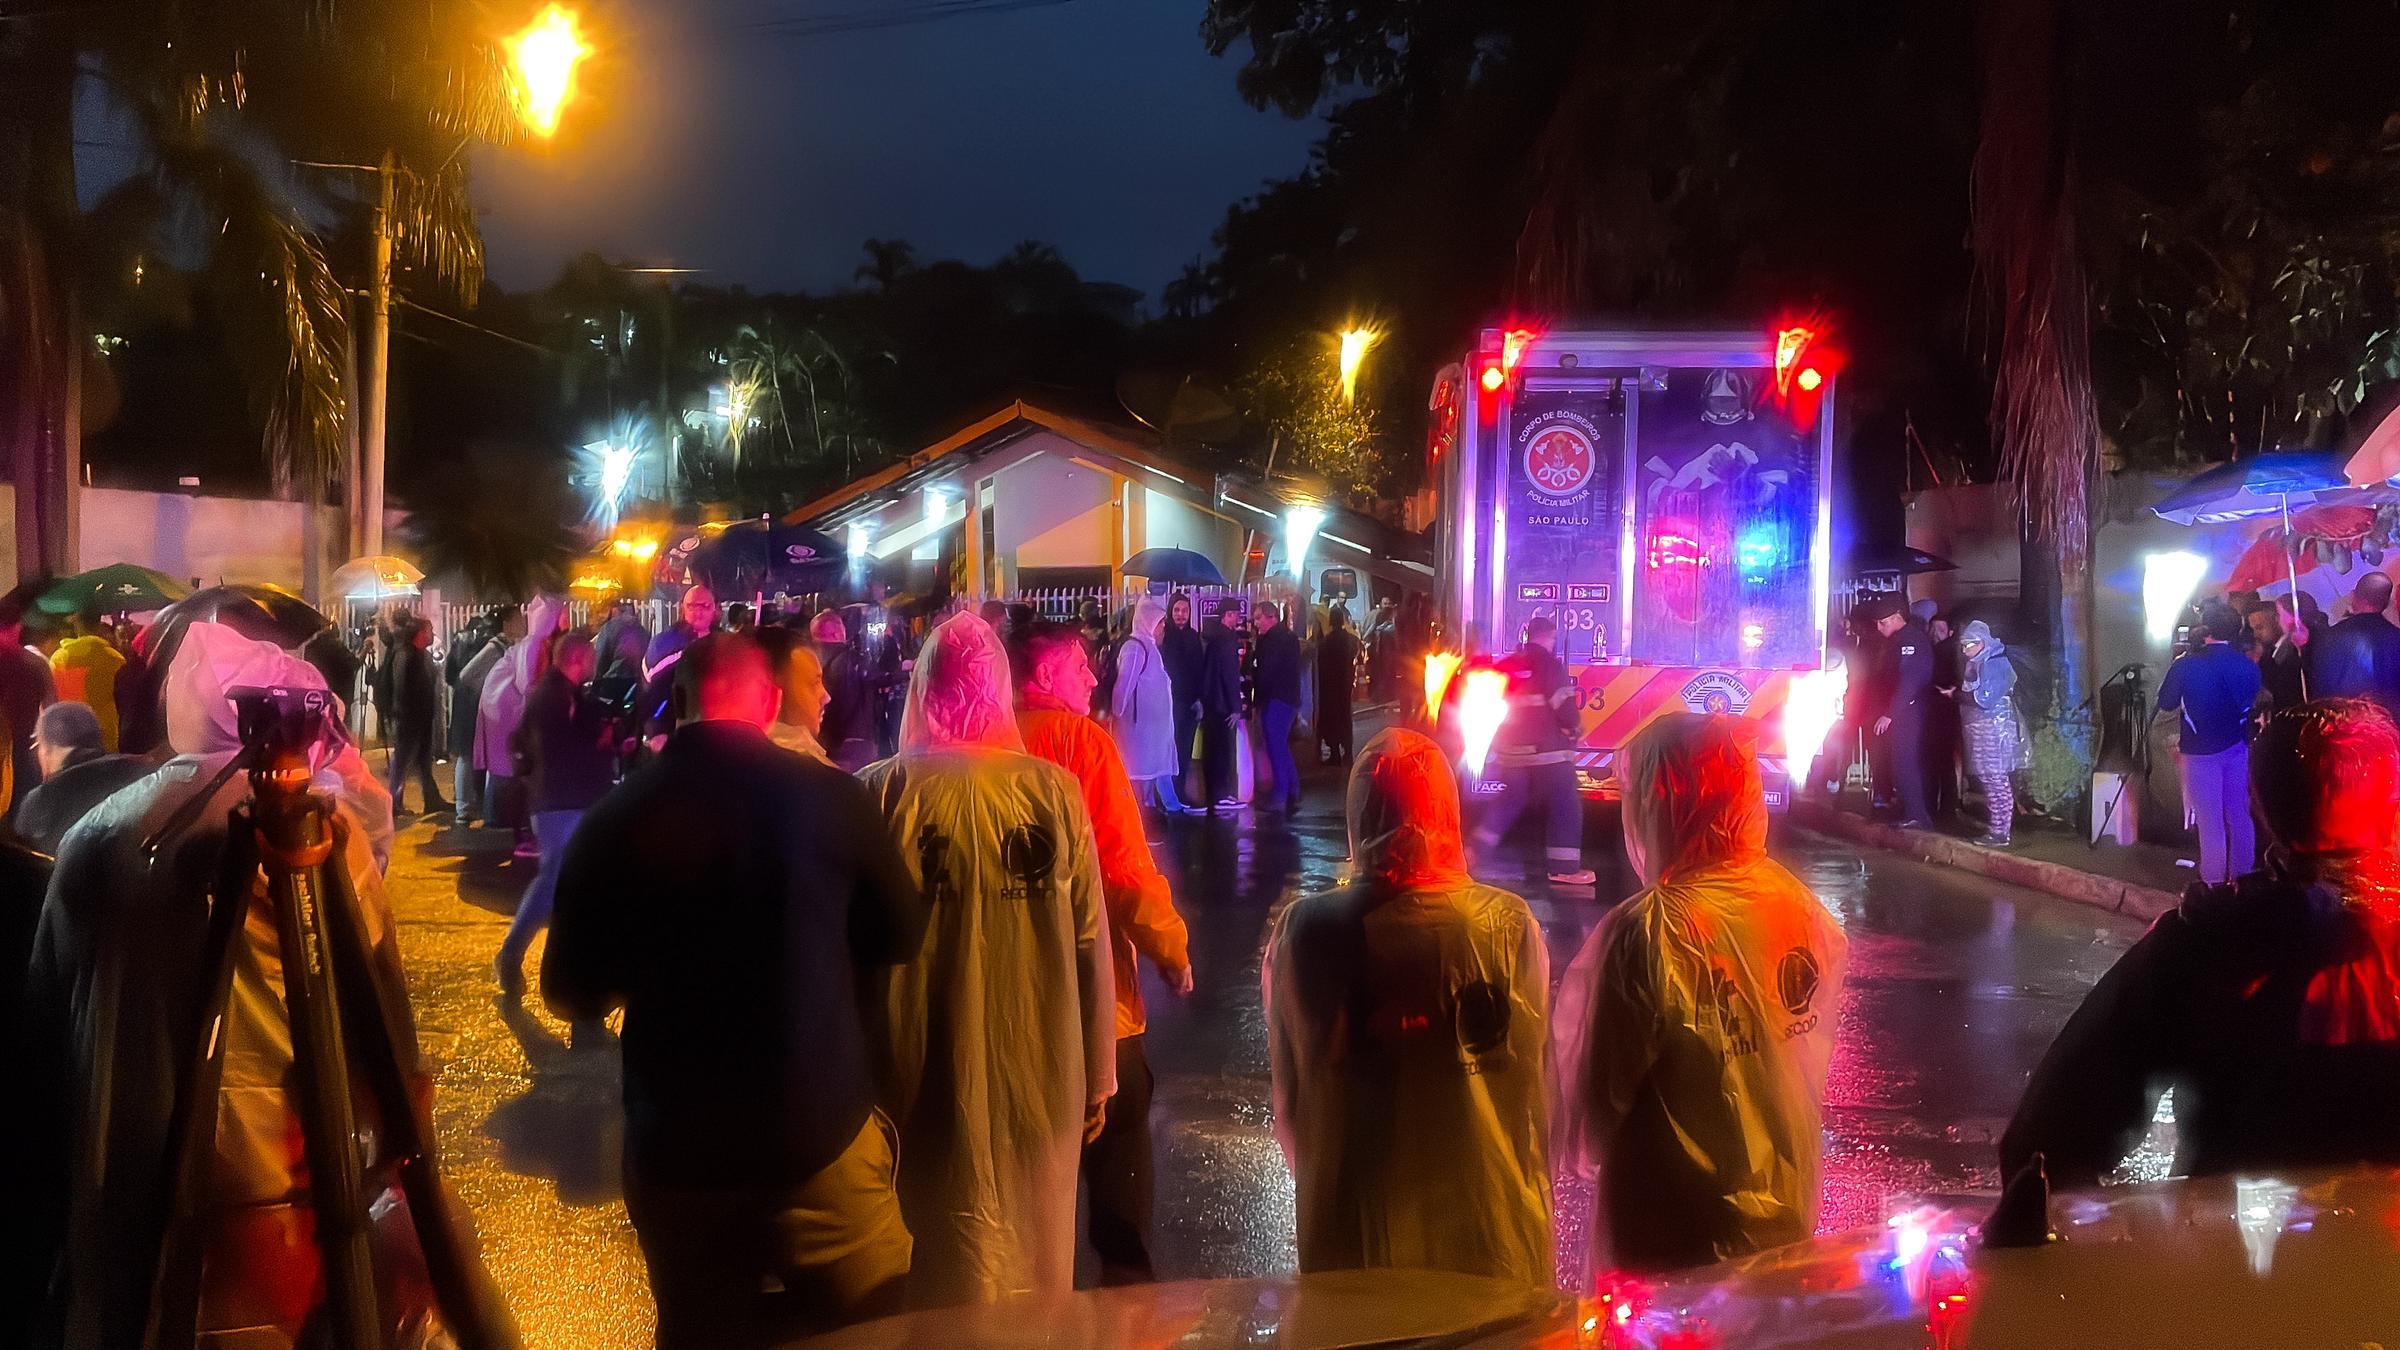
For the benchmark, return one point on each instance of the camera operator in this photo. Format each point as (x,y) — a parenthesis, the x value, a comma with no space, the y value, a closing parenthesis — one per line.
(569,738)
(116,996)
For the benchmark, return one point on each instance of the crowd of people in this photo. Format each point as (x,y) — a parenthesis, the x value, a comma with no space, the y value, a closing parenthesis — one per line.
(881,1027)
(1928,697)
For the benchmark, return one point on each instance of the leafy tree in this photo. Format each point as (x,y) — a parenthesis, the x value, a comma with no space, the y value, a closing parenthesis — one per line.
(888,260)
(1293,395)
(245,119)
(505,518)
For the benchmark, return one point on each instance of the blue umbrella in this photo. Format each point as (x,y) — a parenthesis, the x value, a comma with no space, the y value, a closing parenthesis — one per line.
(1174,564)
(2263,484)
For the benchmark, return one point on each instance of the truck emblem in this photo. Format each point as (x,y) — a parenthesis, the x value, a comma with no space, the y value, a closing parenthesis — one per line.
(1559,459)
(1717,691)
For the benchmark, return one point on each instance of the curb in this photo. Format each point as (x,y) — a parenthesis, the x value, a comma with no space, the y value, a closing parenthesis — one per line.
(2067,883)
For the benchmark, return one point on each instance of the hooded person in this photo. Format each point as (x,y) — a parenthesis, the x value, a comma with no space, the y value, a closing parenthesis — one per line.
(2270,1004)
(500,710)
(1001,1032)
(1987,711)
(1406,1029)
(1143,714)
(1697,1024)
(116,1000)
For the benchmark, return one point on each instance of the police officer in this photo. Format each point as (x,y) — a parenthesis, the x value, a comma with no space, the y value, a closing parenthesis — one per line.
(1905,715)
(1535,753)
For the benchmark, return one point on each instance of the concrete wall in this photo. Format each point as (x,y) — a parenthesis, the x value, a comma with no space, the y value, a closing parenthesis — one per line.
(1975,526)
(210,539)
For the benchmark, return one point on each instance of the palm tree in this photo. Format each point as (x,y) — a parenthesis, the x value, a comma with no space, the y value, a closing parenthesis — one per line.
(501,519)
(2025,238)
(251,125)
(888,260)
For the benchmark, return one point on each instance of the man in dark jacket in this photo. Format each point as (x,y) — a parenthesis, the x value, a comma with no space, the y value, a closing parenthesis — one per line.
(1906,710)
(416,705)
(1275,682)
(77,774)
(1534,752)
(1181,649)
(736,900)
(2360,656)
(1221,705)
(2266,1003)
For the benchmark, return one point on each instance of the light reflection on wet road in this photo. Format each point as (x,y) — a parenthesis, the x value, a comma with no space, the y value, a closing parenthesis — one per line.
(1955,987)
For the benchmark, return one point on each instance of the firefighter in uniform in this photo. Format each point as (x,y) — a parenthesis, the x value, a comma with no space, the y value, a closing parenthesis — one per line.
(1535,754)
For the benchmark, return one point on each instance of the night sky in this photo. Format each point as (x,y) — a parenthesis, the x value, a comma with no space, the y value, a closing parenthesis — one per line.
(1101,126)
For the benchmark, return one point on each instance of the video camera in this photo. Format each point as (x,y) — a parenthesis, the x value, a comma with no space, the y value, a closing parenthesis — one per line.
(275,719)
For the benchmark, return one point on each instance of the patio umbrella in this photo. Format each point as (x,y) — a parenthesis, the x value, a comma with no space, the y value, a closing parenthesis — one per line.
(374,576)
(119,588)
(2262,483)
(1907,562)
(1174,564)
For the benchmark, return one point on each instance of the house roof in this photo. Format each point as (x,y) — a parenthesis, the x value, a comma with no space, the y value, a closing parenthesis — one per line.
(1368,544)
(1136,447)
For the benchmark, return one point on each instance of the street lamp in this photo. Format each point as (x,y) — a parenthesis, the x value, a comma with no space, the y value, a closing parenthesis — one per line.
(543,57)
(1355,342)
(542,60)
(1299,531)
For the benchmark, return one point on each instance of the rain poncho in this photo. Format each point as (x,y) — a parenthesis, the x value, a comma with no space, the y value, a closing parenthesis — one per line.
(114,993)
(1002,1031)
(502,705)
(85,671)
(1142,706)
(1697,1024)
(1406,1025)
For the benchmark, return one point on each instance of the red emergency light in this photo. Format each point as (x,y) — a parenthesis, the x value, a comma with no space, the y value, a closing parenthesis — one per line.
(1493,377)
(1804,362)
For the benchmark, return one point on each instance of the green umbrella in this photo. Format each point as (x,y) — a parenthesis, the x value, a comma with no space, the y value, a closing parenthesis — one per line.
(118,588)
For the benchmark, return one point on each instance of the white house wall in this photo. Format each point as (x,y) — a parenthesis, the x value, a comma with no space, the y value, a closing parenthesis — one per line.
(1048,511)
(1172,522)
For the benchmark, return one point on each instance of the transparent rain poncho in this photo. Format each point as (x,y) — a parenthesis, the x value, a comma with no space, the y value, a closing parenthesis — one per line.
(1406,1026)
(1002,1031)
(1697,1024)
(502,705)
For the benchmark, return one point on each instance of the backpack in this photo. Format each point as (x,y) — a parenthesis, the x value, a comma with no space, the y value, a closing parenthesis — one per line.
(1104,697)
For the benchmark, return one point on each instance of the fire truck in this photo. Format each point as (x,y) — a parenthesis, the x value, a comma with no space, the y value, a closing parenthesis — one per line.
(1665,497)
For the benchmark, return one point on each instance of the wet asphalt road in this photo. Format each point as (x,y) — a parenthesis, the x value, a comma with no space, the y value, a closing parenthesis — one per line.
(1955,986)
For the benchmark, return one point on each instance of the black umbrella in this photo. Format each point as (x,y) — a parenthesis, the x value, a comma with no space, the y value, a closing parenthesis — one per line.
(1904,561)
(752,556)
(1174,564)
(259,612)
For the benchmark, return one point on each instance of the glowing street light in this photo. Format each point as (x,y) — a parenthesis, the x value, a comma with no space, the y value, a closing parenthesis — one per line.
(1355,342)
(543,57)
(1299,531)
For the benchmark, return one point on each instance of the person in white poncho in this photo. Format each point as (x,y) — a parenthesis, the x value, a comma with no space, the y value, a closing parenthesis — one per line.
(1002,1032)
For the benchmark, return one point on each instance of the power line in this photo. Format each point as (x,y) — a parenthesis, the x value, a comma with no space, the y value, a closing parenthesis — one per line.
(909,13)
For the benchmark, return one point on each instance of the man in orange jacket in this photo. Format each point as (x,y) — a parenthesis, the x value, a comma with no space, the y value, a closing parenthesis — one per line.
(1055,681)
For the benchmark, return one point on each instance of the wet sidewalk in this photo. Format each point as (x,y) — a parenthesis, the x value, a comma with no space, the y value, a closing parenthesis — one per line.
(2138,880)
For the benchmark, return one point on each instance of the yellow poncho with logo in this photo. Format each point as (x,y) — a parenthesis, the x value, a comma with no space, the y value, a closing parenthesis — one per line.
(1696,1027)
(1406,1027)
(1003,1029)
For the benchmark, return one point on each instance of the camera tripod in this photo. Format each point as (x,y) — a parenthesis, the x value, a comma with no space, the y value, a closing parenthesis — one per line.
(340,1032)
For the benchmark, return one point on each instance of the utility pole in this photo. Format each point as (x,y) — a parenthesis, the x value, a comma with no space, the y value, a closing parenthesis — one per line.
(369,506)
